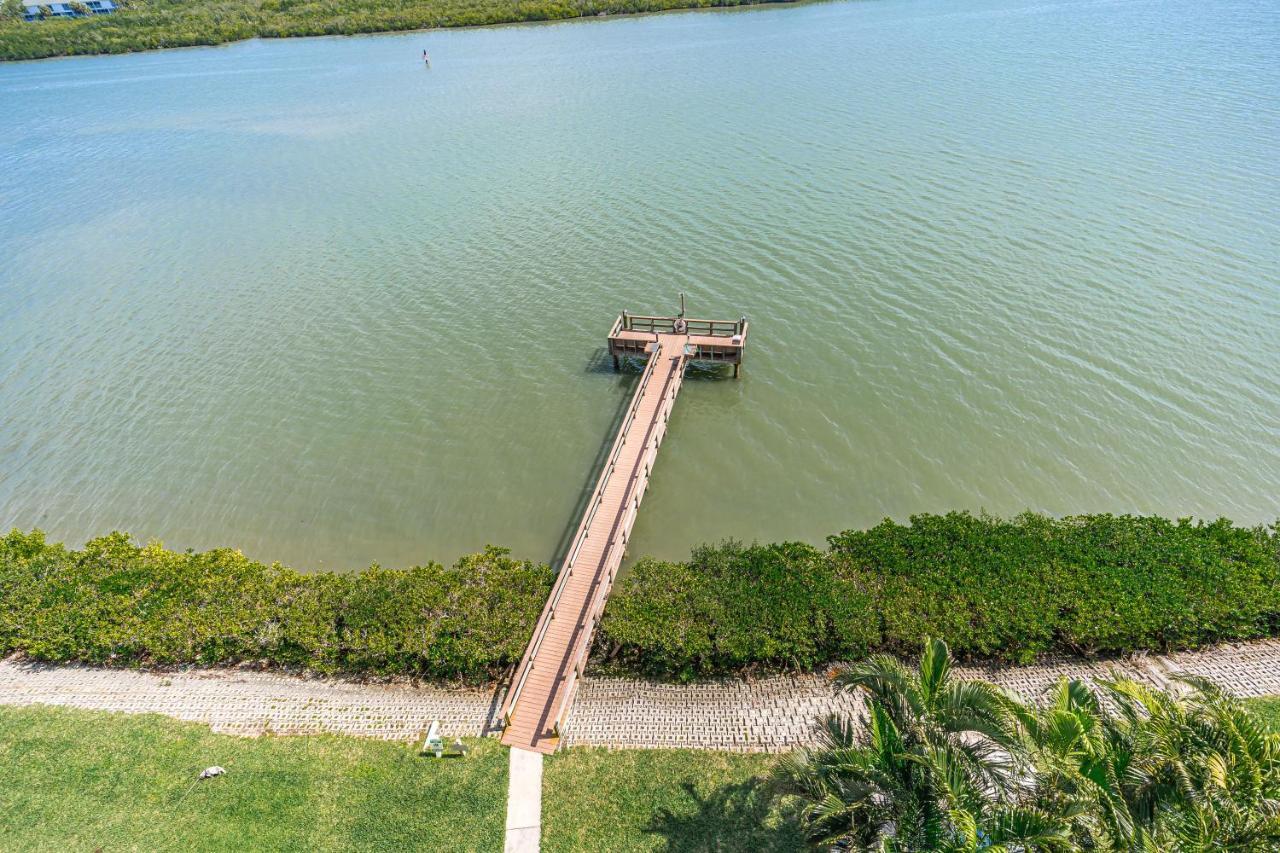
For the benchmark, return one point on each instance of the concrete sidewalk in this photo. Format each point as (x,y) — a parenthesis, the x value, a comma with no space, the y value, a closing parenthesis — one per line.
(524,802)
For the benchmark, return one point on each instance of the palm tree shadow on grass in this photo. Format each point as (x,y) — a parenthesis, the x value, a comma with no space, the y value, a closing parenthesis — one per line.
(740,816)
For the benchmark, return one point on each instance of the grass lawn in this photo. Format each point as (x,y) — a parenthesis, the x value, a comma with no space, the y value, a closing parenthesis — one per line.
(88,780)
(75,780)
(670,800)
(1268,708)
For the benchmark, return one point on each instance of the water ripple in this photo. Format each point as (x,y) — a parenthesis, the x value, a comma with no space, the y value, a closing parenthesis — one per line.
(308,298)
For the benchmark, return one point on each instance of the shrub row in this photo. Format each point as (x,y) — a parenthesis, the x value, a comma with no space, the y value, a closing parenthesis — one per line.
(115,602)
(731,608)
(996,589)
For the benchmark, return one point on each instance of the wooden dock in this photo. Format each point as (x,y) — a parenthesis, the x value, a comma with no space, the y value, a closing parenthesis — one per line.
(542,688)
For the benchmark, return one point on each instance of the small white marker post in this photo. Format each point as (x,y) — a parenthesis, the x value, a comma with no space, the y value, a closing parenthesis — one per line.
(434,743)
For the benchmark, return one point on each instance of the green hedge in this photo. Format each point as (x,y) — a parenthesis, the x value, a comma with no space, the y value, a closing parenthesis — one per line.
(997,589)
(117,603)
(733,607)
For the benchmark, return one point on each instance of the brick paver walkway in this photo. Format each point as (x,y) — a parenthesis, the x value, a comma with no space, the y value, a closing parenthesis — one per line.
(766,714)
(245,702)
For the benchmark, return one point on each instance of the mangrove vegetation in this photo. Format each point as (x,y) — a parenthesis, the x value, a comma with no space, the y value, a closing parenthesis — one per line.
(1008,590)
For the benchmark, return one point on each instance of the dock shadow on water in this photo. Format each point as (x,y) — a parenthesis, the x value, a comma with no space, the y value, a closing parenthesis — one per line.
(626,374)
(739,816)
(599,364)
(699,371)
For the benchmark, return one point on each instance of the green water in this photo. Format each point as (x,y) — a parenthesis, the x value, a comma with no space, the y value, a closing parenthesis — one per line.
(313,300)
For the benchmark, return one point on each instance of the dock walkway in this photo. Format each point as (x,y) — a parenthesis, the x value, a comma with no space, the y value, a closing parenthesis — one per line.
(547,676)
(542,686)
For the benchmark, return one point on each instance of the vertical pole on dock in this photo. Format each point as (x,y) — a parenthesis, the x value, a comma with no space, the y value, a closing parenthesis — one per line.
(682,305)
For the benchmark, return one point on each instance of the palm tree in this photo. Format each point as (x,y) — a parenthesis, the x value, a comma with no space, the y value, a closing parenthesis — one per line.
(933,764)
(1143,770)
(938,764)
(1232,801)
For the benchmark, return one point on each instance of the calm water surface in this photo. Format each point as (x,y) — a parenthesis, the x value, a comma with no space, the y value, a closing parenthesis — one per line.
(310,299)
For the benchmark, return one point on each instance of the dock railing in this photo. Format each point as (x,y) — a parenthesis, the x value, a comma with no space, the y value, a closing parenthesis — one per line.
(666,325)
(717,341)
(566,571)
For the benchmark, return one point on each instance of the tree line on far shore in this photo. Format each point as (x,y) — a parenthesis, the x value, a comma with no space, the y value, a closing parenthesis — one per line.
(154,24)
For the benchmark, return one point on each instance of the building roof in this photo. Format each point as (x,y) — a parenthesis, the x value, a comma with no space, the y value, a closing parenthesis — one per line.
(36,4)
(31,5)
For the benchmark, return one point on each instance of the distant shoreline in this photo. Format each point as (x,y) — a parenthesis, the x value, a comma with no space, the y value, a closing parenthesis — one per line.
(172,24)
